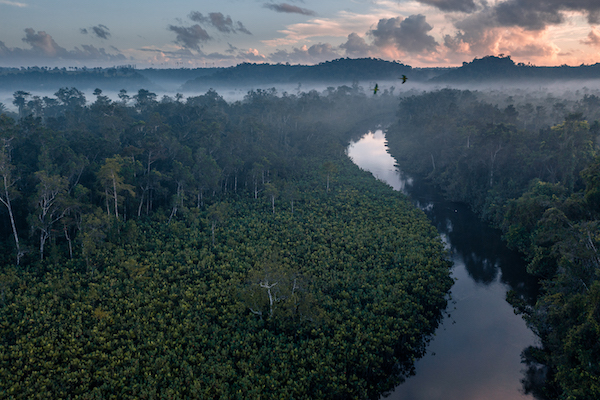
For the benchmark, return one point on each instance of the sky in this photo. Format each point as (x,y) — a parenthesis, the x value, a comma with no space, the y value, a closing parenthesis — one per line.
(202,33)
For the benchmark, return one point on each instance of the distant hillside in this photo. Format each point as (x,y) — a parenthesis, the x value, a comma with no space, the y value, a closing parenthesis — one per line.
(248,73)
(492,68)
(343,70)
(34,78)
(360,69)
(180,75)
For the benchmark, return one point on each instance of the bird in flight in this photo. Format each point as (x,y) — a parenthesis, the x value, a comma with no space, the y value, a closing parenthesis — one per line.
(376,89)
(404,78)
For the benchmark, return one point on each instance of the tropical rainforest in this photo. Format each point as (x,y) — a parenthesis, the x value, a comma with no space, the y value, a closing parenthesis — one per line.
(196,248)
(171,248)
(530,165)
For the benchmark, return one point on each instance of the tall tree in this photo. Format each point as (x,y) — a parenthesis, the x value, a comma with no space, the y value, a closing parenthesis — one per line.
(329,169)
(7,191)
(113,182)
(20,100)
(272,192)
(51,204)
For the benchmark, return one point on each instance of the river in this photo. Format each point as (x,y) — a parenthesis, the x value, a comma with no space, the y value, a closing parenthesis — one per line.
(475,354)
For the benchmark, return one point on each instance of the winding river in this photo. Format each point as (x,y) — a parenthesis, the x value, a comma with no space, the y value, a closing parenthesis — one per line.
(475,354)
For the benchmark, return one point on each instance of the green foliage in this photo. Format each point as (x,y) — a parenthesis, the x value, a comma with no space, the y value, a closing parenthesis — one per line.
(542,189)
(357,280)
(167,276)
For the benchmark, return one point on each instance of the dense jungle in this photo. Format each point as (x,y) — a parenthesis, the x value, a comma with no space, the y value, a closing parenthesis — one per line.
(170,248)
(529,165)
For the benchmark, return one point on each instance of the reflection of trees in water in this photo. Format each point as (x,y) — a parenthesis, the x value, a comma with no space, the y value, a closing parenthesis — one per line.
(481,270)
(535,381)
(480,247)
(485,257)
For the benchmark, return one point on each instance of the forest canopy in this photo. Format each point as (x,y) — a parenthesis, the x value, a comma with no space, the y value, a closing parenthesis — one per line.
(532,169)
(205,249)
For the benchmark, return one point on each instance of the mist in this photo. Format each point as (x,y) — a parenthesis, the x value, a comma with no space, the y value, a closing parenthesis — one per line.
(251,174)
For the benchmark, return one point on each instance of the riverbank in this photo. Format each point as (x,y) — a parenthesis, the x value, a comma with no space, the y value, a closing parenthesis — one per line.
(476,350)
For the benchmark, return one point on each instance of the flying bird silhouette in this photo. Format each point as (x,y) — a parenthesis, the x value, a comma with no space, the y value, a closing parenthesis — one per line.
(404,78)
(376,89)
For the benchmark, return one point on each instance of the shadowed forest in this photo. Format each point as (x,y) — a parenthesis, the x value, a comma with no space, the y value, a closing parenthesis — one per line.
(538,181)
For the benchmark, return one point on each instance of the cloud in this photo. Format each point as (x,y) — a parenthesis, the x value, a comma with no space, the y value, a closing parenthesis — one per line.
(13,3)
(44,49)
(306,55)
(466,6)
(319,27)
(323,51)
(521,28)
(157,56)
(593,38)
(519,42)
(531,14)
(409,34)
(42,43)
(288,8)
(101,31)
(252,55)
(232,49)
(220,22)
(528,15)
(190,37)
(357,47)
(184,53)
(219,56)
(89,52)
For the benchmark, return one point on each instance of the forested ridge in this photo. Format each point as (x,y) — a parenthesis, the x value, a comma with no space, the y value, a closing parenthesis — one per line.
(530,167)
(205,249)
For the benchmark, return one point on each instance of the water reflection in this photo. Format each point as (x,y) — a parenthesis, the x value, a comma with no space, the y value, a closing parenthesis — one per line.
(476,351)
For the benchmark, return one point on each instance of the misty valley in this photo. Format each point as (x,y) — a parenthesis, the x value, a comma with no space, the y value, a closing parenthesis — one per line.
(260,245)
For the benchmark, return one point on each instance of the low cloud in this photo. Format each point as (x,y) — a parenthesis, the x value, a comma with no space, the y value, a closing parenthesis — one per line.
(306,55)
(219,56)
(183,53)
(44,49)
(521,43)
(42,43)
(409,34)
(252,55)
(190,37)
(288,8)
(232,49)
(593,38)
(219,21)
(357,47)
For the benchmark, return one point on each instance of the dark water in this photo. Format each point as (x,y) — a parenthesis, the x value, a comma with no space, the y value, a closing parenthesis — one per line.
(475,354)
